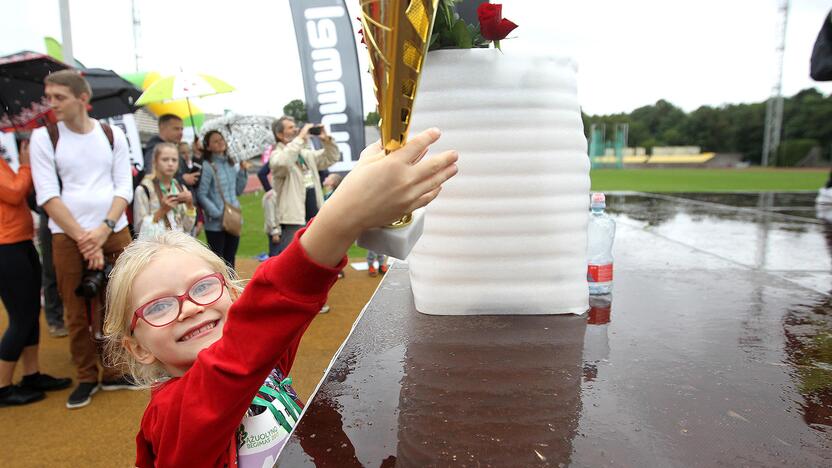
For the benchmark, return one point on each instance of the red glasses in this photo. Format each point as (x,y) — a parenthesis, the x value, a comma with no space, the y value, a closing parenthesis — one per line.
(165,310)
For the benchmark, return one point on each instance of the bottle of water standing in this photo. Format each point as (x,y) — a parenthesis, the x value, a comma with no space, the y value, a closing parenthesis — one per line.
(599,247)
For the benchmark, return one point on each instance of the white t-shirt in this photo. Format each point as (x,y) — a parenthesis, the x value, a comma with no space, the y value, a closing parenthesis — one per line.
(92,173)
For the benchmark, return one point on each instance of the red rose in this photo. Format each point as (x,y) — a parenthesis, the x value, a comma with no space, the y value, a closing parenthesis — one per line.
(361,31)
(492,24)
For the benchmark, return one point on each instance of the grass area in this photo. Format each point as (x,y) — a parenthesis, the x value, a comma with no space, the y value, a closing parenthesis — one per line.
(708,180)
(253,241)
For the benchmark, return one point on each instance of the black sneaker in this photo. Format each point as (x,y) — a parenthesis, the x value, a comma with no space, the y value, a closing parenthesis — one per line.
(82,395)
(44,382)
(121,383)
(14,395)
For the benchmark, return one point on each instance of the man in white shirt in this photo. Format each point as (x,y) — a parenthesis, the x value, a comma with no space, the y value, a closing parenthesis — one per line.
(83,180)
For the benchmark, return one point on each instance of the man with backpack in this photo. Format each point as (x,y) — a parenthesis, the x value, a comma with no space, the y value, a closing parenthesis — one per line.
(82,175)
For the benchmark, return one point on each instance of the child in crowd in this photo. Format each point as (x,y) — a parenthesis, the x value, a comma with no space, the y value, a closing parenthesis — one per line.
(270,223)
(331,183)
(382,263)
(180,321)
(160,202)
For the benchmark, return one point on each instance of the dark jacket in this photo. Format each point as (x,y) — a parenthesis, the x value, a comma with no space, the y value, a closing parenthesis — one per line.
(148,153)
(821,63)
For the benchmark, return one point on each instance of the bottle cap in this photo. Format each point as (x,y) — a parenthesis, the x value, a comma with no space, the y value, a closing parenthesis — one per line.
(598,200)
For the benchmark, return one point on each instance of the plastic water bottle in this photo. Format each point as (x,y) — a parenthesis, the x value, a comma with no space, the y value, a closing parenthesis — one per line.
(599,247)
(596,339)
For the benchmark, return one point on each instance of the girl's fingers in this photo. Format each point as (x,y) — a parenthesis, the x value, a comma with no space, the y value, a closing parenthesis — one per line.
(418,144)
(372,150)
(425,199)
(421,156)
(436,180)
(426,169)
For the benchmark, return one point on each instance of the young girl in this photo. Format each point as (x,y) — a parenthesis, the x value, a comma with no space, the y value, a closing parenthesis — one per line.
(159,202)
(178,319)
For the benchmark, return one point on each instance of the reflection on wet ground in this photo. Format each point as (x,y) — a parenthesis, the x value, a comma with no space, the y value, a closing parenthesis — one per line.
(714,349)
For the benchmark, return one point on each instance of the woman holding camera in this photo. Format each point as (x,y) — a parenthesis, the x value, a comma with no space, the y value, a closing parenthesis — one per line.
(160,203)
(295,169)
(20,289)
(221,183)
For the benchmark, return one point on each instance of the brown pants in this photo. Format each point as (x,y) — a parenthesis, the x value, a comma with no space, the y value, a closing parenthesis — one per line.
(69,268)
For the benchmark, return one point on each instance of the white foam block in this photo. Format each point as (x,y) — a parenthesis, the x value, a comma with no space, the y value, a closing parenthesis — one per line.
(507,235)
(394,242)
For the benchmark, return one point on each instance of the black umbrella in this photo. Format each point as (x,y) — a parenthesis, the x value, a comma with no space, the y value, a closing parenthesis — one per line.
(21,91)
(21,88)
(111,94)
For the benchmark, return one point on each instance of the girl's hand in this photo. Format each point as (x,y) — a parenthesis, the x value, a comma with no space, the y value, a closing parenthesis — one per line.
(167,203)
(185,196)
(379,190)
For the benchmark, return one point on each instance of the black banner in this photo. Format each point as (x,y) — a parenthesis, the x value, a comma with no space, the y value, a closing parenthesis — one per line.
(331,77)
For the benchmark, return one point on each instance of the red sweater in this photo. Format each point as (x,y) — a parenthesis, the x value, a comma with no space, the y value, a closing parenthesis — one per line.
(191,420)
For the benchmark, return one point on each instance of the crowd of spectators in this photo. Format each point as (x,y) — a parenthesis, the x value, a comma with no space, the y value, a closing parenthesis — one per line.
(77,177)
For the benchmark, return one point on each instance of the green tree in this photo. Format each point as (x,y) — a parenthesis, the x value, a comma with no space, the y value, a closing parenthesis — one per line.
(297,110)
(736,128)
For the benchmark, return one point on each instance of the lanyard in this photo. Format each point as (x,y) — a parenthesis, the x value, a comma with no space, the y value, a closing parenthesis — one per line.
(172,190)
(285,399)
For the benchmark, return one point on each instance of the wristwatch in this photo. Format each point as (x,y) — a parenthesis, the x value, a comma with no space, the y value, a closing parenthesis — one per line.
(110,224)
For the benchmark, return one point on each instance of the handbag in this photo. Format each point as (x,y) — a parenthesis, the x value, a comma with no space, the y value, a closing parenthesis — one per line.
(232,217)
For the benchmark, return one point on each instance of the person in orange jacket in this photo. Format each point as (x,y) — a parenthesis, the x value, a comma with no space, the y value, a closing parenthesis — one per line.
(20,290)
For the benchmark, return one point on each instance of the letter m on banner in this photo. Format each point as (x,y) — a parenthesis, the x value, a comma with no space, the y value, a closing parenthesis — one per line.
(331,77)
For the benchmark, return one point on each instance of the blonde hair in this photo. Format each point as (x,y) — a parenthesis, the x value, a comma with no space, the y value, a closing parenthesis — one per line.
(130,263)
(157,150)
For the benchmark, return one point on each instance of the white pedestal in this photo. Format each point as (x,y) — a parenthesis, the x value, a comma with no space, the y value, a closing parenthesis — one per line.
(394,242)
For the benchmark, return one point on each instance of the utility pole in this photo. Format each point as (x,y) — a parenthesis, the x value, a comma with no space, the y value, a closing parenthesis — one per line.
(774,106)
(137,33)
(66,32)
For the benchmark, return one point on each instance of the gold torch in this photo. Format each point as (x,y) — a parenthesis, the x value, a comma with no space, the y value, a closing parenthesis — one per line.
(397,33)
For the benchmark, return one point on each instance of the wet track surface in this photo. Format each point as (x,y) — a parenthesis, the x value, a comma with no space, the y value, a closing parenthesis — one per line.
(715,349)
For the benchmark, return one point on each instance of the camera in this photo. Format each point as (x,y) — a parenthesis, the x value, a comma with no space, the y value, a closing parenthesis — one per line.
(93,282)
(316,130)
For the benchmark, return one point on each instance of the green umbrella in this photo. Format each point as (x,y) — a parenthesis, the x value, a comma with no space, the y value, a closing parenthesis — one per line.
(183,86)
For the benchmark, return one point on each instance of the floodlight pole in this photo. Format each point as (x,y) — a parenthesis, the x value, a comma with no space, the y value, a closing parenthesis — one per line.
(774,106)
(66,32)
(137,34)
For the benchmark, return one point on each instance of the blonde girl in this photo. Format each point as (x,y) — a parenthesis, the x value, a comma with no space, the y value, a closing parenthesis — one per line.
(160,202)
(178,320)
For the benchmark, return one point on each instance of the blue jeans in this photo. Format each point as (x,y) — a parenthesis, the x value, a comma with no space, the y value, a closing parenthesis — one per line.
(274,247)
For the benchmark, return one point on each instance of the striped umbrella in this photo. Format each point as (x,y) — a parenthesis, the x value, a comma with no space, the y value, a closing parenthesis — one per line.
(183,86)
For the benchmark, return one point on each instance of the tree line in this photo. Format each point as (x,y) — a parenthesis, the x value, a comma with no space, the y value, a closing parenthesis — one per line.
(729,128)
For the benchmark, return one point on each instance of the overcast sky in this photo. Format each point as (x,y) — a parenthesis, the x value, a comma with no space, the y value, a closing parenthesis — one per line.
(630,53)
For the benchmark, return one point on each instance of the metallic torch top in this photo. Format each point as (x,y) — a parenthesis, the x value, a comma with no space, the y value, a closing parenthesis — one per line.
(397,34)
